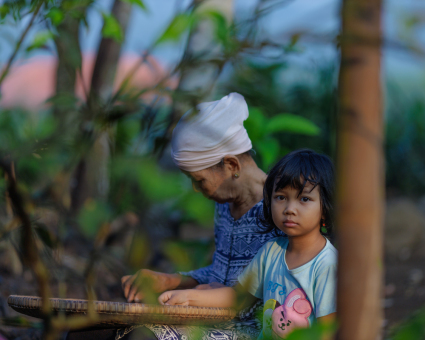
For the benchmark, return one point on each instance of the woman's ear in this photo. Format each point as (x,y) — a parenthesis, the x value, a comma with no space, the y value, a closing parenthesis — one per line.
(232,163)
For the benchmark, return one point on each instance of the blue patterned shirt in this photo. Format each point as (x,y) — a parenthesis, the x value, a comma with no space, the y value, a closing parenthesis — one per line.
(236,243)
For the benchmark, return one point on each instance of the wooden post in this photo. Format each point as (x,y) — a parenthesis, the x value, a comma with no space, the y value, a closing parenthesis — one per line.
(360,173)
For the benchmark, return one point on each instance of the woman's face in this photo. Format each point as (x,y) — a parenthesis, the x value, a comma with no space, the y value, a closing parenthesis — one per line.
(214,183)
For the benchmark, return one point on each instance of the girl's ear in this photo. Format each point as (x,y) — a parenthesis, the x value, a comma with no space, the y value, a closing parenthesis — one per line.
(232,163)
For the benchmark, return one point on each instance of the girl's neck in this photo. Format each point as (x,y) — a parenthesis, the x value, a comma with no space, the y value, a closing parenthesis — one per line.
(302,249)
(250,192)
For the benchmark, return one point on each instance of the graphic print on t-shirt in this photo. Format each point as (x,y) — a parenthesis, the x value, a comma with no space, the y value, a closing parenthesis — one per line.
(273,286)
(279,320)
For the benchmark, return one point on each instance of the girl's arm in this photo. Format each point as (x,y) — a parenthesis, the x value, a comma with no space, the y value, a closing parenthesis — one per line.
(218,297)
(327,318)
(221,296)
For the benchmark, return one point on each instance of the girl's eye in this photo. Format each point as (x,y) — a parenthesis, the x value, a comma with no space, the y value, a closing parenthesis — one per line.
(305,199)
(280,197)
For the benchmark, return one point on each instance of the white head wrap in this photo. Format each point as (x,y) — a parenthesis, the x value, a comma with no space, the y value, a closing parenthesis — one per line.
(200,140)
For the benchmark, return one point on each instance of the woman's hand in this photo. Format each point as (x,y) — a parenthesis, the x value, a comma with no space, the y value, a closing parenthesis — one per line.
(145,282)
(175,297)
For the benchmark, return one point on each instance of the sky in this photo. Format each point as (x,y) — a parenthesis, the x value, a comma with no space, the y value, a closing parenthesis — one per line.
(319,17)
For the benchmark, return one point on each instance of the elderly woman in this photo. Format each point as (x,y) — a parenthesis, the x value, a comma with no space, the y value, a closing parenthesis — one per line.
(212,147)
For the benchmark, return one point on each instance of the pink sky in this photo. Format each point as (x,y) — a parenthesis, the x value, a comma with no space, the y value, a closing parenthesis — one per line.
(31,82)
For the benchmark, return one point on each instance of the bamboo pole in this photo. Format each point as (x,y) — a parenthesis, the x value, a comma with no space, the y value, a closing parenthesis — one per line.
(360,172)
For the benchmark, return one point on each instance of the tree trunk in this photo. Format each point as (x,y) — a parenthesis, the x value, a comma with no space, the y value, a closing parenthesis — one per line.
(91,175)
(69,62)
(107,57)
(360,175)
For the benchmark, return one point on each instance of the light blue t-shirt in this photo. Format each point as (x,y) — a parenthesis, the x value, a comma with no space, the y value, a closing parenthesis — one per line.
(268,277)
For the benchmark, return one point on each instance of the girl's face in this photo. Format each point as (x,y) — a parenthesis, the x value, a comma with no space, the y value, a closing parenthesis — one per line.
(294,214)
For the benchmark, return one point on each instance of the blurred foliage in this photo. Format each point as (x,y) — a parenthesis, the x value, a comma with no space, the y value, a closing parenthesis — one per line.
(51,151)
(272,88)
(187,255)
(289,109)
(318,331)
(111,28)
(287,112)
(92,217)
(412,328)
(405,141)
(261,130)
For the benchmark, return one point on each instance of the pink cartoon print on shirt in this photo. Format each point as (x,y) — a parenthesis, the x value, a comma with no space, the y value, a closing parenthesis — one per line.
(279,320)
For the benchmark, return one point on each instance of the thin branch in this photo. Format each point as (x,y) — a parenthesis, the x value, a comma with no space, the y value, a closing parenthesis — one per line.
(19,43)
(31,256)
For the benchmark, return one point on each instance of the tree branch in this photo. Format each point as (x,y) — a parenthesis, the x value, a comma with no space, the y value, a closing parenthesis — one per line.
(29,248)
(19,43)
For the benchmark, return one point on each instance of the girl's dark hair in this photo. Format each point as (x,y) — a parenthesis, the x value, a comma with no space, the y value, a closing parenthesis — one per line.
(296,169)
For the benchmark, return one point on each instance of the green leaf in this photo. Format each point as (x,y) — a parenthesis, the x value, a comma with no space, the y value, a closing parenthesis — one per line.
(40,40)
(92,216)
(139,3)
(412,328)
(111,28)
(20,321)
(180,24)
(221,26)
(268,150)
(412,21)
(255,125)
(44,127)
(292,123)
(126,132)
(156,184)
(317,331)
(186,255)
(4,10)
(197,208)
(55,15)
(65,101)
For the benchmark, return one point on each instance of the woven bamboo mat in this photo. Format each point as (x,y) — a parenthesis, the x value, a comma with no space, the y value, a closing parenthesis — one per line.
(124,314)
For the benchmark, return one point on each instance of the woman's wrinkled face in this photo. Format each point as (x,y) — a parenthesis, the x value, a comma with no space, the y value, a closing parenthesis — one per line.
(213,183)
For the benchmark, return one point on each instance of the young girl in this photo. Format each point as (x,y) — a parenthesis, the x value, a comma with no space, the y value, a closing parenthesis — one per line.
(294,275)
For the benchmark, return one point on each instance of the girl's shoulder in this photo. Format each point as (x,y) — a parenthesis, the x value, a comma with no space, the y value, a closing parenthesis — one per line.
(278,243)
(327,258)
